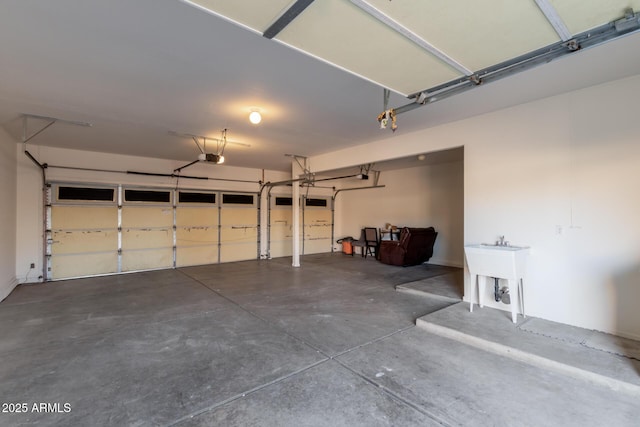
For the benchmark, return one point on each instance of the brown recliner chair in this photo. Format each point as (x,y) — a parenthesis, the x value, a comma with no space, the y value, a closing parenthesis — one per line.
(414,247)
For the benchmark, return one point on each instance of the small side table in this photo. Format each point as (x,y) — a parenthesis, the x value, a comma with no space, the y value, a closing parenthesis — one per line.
(391,233)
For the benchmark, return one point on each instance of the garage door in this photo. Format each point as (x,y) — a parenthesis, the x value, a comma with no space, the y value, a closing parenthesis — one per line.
(317,225)
(238,227)
(111,229)
(147,229)
(280,226)
(196,228)
(82,237)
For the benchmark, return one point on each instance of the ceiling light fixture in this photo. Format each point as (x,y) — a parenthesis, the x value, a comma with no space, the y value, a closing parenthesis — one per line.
(216,158)
(211,158)
(255,117)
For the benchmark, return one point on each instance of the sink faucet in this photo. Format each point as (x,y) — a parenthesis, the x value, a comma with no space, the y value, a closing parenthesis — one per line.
(501,242)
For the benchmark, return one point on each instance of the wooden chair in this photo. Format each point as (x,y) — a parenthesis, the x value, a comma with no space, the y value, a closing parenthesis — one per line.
(368,242)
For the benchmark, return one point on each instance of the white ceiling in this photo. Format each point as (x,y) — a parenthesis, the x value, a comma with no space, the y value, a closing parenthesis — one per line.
(137,70)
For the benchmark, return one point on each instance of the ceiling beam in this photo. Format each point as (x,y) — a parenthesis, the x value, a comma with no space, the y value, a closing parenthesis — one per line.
(285,19)
(628,24)
(205,138)
(51,121)
(554,19)
(411,36)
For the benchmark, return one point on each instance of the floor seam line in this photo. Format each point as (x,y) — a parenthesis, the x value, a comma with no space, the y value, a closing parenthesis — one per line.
(328,357)
(373,341)
(394,395)
(275,326)
(245,393)
(292,335)
(582,343)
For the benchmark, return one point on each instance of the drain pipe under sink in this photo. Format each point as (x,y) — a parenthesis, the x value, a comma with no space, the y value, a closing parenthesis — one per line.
(500,294)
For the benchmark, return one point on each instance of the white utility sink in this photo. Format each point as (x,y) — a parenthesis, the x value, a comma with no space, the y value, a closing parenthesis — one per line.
(503,262)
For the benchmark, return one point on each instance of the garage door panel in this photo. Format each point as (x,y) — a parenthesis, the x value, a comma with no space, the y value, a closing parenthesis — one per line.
(237,216)
(190,236)
(282,225)
(146,238)
(65,266)
(81,241)
(196,255)
(281,233)
(238,234)
(317,246)
(317,232)
(84,240)
(317,216)
(186,217)
(281,248)
(238,252)
(79,217)
(147,259)
(144,217)
(281,215)
(238,228)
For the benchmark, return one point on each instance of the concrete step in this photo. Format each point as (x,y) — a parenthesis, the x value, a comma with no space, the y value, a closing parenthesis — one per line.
(567,350)
(448,286)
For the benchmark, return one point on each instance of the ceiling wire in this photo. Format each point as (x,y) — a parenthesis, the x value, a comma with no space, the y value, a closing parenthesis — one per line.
(223,141)
(304,168)
(366,168)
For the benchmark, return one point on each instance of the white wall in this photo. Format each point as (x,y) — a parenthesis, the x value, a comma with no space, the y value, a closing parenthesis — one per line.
(29,229)
(29,225)
(558,174)
(8,181)
(423,196)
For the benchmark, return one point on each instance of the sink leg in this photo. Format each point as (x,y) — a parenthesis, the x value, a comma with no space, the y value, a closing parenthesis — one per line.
(521,296)
(482,281)
(474,279)
(514,290)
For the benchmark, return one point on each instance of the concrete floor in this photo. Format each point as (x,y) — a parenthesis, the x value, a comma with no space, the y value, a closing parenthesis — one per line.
(260,343)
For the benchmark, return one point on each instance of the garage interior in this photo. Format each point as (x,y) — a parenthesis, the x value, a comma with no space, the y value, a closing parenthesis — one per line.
(165,261)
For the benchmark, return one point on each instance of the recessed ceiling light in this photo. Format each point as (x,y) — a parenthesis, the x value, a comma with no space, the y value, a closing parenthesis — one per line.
(255,117)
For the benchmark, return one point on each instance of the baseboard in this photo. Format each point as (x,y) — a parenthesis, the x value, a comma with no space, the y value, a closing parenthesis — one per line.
(627,335)
(25,280)
(5,290)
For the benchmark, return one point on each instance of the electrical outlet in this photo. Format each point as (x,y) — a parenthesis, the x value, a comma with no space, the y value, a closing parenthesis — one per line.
(33,265)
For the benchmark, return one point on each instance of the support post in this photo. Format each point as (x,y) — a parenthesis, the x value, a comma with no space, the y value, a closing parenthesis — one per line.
(295,262)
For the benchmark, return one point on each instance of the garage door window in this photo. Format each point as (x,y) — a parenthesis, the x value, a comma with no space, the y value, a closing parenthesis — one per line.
(86,194)
(321,203)
(284,201)
(237,199)
(189,197)
(147,196)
